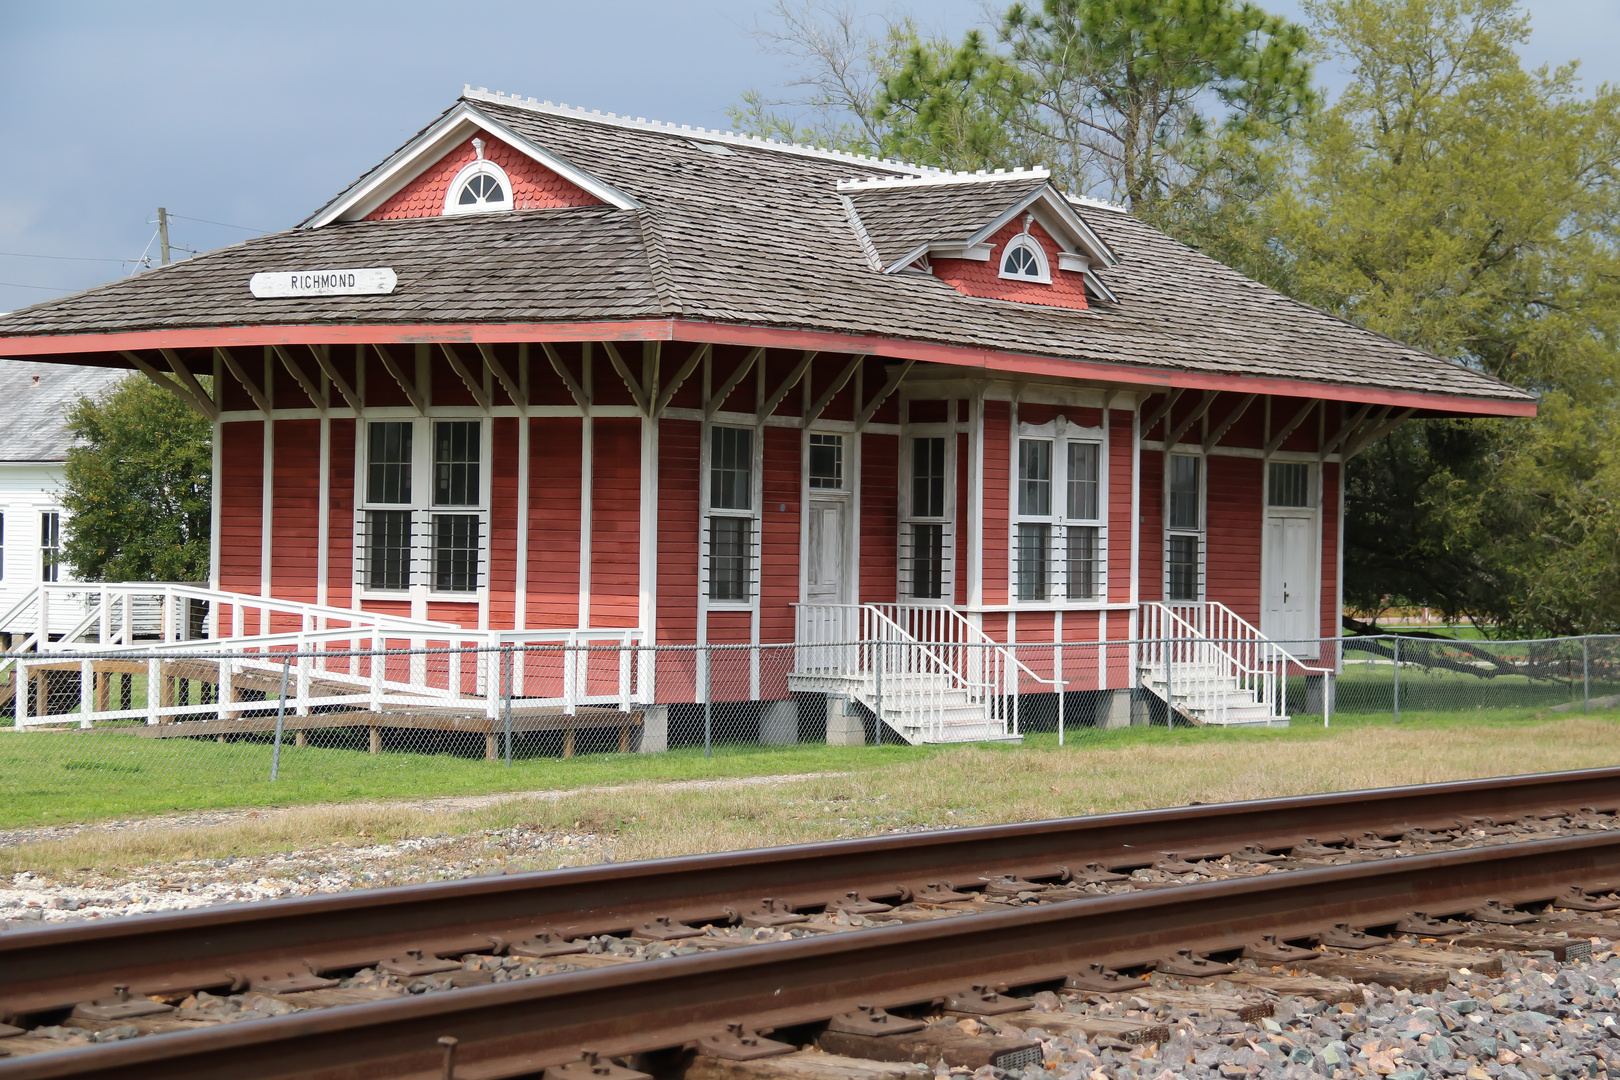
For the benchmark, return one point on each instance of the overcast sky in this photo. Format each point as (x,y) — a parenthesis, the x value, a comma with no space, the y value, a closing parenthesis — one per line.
(252,115)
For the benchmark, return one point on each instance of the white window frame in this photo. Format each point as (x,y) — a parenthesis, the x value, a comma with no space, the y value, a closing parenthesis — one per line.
(421,507)
(1028,243)
(755,514)
(1311,512)
(1060,433)
(50,571)
(1201,533)
(909,516)
(480,167)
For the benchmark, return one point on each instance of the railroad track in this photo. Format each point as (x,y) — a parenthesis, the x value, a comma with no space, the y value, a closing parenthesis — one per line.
(1044,910)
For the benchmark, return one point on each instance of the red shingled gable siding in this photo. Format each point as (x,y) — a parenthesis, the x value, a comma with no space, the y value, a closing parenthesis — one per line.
(554,469)
(534,187)
(1232,566)
(972,278)
(616,523)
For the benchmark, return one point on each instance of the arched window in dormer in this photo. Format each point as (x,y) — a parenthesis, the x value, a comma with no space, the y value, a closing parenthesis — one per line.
(481,186)
(1025,260)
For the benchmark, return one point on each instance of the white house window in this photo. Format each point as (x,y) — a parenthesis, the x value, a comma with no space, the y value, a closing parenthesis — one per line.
(731,525)
(1289,484)
(50,546)
(413,533)
(1060,536)
(481,186)
(1025,260)
(926,536)
(827,462)
(1184,520)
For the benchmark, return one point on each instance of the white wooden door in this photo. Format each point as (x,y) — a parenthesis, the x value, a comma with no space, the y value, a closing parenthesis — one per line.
(1286,615)
(827,571)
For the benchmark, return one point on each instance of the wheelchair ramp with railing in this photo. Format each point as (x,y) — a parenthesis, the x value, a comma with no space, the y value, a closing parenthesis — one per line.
(926,672)
(1210,667)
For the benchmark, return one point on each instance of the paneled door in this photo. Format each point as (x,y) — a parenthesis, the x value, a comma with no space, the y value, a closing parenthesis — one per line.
(1290,583)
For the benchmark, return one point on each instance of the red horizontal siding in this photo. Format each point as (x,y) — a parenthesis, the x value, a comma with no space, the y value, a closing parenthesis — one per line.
(241,493)
(615,523)
(554,482)
(295,517)
(1330,550)
(1120,478)
(997,484)
(503,517)
(679,524)
(1150,567)
(340,557)
(880,518)
(779,539)
(1233,531)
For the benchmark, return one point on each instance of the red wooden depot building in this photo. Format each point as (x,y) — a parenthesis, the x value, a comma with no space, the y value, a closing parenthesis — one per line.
(548,375)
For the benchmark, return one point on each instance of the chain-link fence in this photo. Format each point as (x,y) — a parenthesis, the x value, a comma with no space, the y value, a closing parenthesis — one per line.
(86,731)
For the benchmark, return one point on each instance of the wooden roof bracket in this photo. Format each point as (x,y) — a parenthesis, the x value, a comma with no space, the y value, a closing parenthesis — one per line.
(513,389)
(890,385)
(684,372)
(239,373)
(323,359)
(203,405)
(1197,414)
(630,382)
(581,398)
(187,379)
(788,384)
(1373,433)
(316,398)
(1288,429)
(1169,402)
(1214,437)
(820,406)
(475,387)
(712,406)
(406,383)
(1348,429)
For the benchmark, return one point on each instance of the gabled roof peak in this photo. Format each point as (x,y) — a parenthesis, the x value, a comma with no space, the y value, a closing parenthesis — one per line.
(549,108)
(878,183)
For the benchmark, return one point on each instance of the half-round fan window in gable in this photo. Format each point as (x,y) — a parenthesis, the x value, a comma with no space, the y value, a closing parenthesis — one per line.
(481,186)
(481,190)
(1024,259)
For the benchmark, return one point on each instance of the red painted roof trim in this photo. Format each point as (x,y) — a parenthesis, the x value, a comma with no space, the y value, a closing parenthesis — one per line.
(989,360)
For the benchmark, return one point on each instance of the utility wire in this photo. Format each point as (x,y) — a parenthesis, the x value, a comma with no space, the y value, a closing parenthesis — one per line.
(62,258)
(42,288)
(221,224)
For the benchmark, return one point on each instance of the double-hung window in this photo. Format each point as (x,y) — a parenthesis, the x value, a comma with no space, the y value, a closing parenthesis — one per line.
(731,535)
(927,543)
(422,520)
(50,546)
(1060,533)
(1184,528)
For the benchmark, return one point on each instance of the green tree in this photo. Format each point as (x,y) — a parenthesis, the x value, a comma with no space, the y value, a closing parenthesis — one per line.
(1451,199)
(138,487)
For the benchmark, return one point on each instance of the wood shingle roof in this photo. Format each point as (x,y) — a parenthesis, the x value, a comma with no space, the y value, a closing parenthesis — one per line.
(760,235)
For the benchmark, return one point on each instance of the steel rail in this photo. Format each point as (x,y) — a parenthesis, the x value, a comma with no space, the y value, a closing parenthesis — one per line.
(518,1028)
(58,966)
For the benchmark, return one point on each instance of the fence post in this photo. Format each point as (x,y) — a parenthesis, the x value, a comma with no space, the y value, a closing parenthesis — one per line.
(708,703)
(506,664)
(1397,680)
(1169,646)
(1586,674)
(281,715)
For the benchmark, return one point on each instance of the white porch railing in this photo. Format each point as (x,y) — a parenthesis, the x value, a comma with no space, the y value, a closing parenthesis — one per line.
(1214,667)
(923,669)
(331,657)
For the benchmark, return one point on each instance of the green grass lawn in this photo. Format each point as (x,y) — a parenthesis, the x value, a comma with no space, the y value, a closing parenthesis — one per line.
(79,776)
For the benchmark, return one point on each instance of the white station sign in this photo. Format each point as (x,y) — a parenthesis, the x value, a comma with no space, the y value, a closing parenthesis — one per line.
(373,281)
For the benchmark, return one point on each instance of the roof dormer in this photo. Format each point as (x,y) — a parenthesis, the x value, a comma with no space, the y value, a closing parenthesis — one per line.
(1038,249)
